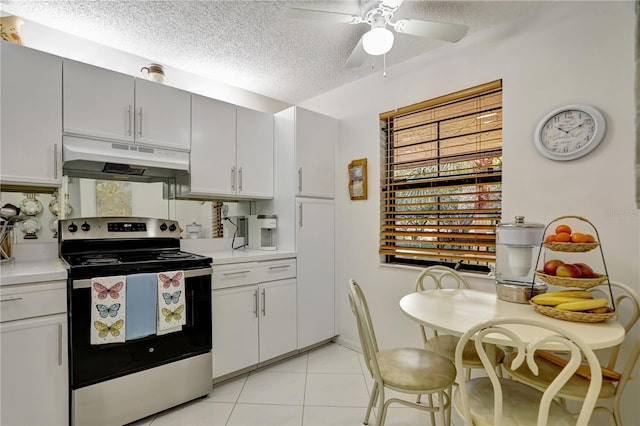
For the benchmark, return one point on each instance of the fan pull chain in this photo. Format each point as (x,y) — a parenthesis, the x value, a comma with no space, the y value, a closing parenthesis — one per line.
(384,65)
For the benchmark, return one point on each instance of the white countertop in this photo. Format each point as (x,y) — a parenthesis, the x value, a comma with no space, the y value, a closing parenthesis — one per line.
(33,271)
(223,257)
(24,272)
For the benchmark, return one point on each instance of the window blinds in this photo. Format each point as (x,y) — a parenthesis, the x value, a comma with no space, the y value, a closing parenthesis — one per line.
(441,174)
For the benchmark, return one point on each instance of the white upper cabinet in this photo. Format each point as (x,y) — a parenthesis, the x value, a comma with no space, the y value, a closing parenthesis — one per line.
(315,138)
(213,148)
(254,154)
(104,104)
(231,152)
(163,115)
(31,116)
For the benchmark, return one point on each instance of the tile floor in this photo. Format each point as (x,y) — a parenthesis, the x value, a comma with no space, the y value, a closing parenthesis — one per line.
(328,386)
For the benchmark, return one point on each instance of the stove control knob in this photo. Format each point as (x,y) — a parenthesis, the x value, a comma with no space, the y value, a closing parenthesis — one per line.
(85,227)
(73,227)
(172,227)
(163,227)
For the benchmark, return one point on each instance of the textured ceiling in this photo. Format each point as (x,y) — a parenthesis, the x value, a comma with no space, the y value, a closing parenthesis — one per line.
(252,44)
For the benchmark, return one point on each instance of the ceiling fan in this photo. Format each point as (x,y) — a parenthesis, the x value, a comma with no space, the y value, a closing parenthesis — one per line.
(379,39)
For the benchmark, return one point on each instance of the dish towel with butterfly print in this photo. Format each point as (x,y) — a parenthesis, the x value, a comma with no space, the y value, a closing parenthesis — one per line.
(108,299)
(142,305)
(172,308)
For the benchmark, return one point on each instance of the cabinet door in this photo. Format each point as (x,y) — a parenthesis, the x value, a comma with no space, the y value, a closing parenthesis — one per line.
(316,136)
(235,329)
(98,102)
(315,270)
(34,385)
(31,108)
(163,115)
(278,331)
(254,154)
(213,147)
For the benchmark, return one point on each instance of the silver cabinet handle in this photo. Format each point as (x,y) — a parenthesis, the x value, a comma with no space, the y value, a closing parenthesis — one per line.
(55,161)
(140,123)
(129,120)
(235,273)
(279,267)
(255,303)
(299,179)
(233,178)
(300,218)
(59,344)
(11,299)
(240,179)
(264,302)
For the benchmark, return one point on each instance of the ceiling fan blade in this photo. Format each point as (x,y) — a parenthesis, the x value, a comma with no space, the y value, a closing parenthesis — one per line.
(320,15)
(431,29)
(358,55)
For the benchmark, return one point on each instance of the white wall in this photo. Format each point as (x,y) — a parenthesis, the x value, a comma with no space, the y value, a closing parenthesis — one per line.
(567,52)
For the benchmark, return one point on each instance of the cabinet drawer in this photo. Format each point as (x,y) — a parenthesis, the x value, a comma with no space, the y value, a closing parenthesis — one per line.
(277,270)
(32,301)
(225,276)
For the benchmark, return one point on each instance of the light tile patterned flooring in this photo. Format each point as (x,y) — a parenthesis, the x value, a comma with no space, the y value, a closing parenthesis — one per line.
(328,386)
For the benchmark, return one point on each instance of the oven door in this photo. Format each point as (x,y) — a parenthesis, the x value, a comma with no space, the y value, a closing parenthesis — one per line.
(90,364)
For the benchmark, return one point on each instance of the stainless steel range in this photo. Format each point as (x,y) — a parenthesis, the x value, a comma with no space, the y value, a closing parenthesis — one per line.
(139,318)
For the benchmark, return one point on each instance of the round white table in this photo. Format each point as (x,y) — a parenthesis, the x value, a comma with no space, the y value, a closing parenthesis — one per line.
(454,311)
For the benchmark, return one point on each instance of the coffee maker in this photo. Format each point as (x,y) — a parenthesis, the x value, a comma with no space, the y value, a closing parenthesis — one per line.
(262,232)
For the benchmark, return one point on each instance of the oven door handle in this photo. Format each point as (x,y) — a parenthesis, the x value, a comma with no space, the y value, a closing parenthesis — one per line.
(189,273)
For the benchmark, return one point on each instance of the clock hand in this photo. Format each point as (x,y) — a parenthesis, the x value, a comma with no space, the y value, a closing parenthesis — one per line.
(580,125)
(561,129)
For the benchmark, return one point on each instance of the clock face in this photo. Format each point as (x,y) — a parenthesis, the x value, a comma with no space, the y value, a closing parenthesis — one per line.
(570,132)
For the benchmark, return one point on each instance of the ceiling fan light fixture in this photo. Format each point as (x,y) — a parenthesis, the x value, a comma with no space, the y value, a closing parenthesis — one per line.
(377,41)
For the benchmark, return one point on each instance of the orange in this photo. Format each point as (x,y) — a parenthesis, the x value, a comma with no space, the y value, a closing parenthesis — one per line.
(590,238)
(563,228)
(563,237)
(577,237)
(550,238)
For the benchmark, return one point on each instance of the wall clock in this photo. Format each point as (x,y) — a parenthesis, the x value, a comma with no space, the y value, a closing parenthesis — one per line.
(569,132)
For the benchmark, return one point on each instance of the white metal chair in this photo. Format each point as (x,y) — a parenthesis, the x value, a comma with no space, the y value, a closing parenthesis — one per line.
(499,401)
(625,298)
(445,344)
(408,370)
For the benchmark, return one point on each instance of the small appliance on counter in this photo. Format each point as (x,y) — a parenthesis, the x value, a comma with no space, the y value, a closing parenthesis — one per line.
(261,232)
(517,247)
(194,230)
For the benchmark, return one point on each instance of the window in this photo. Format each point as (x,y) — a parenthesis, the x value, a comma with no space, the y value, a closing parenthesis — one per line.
(441,179)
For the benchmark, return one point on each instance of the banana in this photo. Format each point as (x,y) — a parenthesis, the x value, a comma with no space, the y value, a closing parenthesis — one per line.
(583,305)
(544,299)
(603,310)
(583,294)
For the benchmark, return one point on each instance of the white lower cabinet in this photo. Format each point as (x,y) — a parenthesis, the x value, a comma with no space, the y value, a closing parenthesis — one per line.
(33,354)
(254,314)
(34,371)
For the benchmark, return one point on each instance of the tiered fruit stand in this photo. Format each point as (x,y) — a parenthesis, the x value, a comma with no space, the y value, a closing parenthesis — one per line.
(578,283)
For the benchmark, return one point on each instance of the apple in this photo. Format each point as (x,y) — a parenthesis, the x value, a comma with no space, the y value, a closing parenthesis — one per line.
(551,265)
(568,270)
(586,270)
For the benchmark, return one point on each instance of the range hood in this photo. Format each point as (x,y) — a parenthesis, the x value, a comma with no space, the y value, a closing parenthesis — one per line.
(97,159)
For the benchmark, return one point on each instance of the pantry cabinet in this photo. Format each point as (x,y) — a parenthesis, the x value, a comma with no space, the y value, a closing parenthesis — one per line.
(33,355)
(31,116)
(316,288)
(253,313)
(104,104)
(231,152)
(315,139)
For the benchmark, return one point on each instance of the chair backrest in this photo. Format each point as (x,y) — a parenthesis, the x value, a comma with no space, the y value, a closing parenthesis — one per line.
(366,333)
(441,277)
(559,339)
(625,298)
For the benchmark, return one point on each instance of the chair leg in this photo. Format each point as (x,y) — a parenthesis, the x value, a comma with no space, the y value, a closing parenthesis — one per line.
(616,412)
(418,399)
(431,413)
(372,398)
(441,410)
(382,407)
